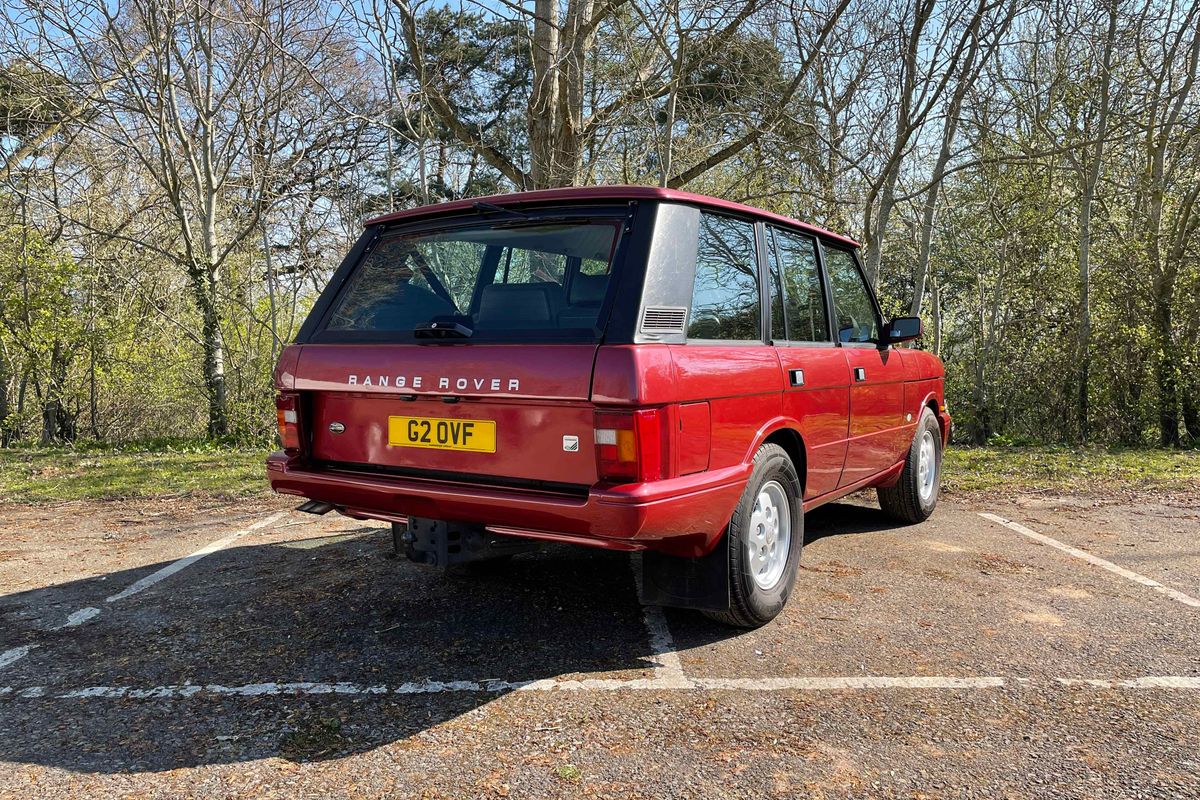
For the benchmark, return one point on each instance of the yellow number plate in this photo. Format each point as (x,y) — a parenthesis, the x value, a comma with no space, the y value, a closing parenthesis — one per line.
(473,435)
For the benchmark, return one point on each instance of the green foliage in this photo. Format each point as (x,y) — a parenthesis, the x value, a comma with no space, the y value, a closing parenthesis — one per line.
(1018,469)
(187,467)
(159,468)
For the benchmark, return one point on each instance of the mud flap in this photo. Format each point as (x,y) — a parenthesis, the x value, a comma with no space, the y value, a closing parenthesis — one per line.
(699,583)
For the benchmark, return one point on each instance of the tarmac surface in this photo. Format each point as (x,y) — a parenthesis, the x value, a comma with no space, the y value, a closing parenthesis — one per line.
(202,649)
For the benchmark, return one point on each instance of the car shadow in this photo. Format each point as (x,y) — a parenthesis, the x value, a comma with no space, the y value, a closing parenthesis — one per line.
(842,518)
(323,610)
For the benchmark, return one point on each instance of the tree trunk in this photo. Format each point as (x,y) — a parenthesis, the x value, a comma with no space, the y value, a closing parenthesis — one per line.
(878,230)
(1191,413)
(935,302)
(57,426)
(543,100)
(1085,304)
(208,274)
(93,409)
(1091,177)
(205,289)
(272,291)
(578,36)
(1166,373)
(667,167)
(981,425)
(921,272)
(5,377)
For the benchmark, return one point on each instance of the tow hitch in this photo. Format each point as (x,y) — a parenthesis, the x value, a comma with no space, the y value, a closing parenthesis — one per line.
(437,543)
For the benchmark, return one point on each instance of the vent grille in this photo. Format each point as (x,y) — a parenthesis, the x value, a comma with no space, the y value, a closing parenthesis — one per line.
(663,319)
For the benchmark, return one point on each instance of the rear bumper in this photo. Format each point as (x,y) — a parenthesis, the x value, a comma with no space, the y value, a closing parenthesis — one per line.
(682,516)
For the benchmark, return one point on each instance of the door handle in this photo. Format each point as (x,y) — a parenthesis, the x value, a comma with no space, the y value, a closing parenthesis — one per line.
(860,374)
(796,377)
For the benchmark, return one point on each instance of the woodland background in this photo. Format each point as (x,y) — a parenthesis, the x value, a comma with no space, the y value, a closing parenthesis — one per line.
(180,177)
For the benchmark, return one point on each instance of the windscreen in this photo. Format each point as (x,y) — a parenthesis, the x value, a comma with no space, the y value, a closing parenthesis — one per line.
(492,281)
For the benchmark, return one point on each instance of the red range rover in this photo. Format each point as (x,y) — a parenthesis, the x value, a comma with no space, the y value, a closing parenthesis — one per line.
(630,368)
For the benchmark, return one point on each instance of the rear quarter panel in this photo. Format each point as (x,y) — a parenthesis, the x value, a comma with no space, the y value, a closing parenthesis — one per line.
(740,383)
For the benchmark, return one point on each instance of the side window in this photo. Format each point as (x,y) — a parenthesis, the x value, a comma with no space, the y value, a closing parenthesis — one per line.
(725,302)
(794,259)
(853,310)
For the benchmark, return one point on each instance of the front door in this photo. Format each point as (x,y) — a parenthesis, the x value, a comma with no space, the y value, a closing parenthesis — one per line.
(876,372)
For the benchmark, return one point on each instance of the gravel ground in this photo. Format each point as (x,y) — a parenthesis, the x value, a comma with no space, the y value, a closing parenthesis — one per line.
(302,662)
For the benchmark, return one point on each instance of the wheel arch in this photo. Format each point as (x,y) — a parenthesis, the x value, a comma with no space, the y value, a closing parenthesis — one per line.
(786,436)
(933,403)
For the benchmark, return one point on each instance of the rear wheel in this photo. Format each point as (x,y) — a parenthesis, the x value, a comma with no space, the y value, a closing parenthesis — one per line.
(765,537)
(915,495)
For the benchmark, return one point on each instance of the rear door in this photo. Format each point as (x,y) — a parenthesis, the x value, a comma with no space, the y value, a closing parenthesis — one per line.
(816,377)
(464,351)
(876,373)
(727,364)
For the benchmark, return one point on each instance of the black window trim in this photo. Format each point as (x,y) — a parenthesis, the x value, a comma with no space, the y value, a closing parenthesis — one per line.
(830,338)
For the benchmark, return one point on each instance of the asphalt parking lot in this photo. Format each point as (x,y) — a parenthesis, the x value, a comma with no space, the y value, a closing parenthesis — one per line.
(963,657)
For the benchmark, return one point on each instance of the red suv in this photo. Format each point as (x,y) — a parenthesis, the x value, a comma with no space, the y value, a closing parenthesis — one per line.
(629,368)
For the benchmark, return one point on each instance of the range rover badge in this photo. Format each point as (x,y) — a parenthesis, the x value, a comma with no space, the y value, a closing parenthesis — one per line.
(336,427)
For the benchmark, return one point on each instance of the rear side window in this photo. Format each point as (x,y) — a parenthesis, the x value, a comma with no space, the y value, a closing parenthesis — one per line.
(793,259)
(857,320)
(501,281)
(725,299)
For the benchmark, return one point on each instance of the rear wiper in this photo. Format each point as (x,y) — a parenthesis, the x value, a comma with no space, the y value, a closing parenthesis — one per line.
(528,220)
(480,205)
(443,328)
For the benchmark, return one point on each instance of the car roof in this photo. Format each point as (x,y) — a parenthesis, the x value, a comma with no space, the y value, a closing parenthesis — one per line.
(591,193)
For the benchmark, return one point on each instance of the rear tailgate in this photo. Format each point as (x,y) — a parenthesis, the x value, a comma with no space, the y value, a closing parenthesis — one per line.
(468,412)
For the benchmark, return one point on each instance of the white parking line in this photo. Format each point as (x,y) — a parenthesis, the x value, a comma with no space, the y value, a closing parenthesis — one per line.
(187,561)
(803,684)
(851,682)
(1145,682)
(1128,574)
(76,618)
(15,654)
(668,668)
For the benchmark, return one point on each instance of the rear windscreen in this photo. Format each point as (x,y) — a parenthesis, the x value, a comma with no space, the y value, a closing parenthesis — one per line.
(497,280)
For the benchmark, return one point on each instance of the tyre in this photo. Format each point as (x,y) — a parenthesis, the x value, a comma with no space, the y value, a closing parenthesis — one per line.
(915,495)
(765,537)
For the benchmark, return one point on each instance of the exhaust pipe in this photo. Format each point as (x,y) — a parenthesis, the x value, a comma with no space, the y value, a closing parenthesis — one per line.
(315,507)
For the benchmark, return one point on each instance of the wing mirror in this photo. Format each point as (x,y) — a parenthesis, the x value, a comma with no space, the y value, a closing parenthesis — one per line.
(903,329)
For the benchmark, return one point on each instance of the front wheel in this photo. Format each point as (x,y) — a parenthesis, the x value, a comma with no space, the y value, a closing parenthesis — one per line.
(765,537)
(915,495)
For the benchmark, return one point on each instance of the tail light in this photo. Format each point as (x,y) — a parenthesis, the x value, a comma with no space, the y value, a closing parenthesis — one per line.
(631,446)
(287,409)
